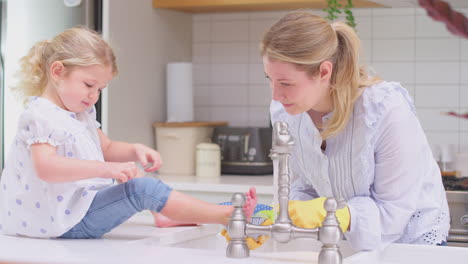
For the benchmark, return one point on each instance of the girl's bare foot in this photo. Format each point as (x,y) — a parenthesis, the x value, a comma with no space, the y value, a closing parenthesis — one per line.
(250,203)
(161,220)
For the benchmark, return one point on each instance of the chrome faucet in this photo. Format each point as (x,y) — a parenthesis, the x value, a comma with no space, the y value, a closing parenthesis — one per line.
(283,230)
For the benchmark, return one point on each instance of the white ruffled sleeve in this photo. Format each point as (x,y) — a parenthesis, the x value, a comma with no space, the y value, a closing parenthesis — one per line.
(36,127)
(381,218)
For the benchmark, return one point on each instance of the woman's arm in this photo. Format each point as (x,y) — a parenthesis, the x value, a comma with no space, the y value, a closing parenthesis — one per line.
(400,165)
(51,167)
(118,151)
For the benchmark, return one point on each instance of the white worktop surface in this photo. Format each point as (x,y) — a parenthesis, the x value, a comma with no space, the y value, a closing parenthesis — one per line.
(231,183)
(138,241)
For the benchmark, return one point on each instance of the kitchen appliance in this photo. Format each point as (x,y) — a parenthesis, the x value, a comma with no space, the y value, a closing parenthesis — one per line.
(457,197)
(244,150)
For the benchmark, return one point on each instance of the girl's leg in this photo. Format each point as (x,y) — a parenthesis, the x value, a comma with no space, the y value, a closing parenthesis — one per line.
(171,216)
(115,204)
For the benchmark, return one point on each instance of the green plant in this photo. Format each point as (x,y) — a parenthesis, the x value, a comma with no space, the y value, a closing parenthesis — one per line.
(334,8)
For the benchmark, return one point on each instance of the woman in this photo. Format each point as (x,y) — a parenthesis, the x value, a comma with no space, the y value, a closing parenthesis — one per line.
(357,138)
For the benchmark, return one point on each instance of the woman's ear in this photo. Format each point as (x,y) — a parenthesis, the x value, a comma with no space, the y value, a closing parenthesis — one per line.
(326,69)
(57,70)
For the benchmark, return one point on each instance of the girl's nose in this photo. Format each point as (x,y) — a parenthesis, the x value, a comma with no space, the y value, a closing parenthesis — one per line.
(93,95)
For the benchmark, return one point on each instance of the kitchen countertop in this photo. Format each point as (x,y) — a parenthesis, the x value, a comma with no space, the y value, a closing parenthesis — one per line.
(138,241)
(231,183)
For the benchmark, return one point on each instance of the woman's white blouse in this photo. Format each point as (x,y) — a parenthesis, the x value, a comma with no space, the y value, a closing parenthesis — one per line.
(381,164)
(35,208)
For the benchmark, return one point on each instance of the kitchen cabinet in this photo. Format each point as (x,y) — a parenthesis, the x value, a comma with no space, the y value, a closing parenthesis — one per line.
(204,6)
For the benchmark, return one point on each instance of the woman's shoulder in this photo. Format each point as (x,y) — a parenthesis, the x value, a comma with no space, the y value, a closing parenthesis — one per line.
(378,100)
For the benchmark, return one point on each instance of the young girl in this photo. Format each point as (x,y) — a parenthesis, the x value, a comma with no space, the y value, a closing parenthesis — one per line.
(58,178)
(359,138)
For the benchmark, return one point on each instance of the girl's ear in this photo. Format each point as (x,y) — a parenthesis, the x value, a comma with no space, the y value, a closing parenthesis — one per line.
(57,70)
(326,68)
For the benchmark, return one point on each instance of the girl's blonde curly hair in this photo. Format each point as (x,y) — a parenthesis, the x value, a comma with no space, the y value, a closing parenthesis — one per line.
(75,47)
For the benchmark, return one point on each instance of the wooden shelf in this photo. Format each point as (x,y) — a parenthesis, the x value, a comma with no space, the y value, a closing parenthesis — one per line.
(206,6)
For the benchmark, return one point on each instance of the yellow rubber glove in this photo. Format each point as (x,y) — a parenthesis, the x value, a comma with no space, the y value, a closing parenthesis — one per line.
(252,243)
(310,214)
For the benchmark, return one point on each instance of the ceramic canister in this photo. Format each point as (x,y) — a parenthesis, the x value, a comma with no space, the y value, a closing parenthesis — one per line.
(208,160)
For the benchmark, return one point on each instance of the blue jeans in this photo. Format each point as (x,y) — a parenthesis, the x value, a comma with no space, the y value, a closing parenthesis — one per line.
(115,204)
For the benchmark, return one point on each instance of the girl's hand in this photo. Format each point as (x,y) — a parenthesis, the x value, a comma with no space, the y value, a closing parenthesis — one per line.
(122,171)
(148,155)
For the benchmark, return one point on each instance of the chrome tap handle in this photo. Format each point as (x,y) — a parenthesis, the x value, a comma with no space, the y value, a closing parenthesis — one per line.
(237,247)
(282,146)
(282,141)
(330,235)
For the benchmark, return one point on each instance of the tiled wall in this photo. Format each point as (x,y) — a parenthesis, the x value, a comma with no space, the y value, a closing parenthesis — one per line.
(401,44)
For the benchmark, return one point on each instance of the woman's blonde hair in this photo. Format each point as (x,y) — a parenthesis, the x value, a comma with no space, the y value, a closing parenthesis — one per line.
(306,40)
(75,47)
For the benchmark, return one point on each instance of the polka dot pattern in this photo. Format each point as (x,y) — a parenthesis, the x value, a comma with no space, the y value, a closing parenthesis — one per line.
(39,209)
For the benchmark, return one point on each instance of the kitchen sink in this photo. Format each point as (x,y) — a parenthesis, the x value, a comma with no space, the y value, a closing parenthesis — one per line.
(302,249)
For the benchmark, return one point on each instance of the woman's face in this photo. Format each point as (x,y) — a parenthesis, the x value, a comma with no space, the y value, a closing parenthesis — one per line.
(296,90)
(79,88)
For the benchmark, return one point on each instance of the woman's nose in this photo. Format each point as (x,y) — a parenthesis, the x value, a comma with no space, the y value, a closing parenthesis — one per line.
(276,93)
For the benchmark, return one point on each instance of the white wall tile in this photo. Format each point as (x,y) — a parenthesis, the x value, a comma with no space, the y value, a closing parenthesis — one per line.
(420,11)
(393,11)
(201,17)
(366,51)
(201,31)
(201,73)
(203,113)
(364,27)
(259,116)
(464,72)
(259,95)
(276,15)
(229,16)
(202,95)
(234,115)
(464,95)
(437,72)
(254,53)
(359,12)
(389,27)
(438,49)
(437,138)
(427,27)
(227,31)
(257,74)
(258,28)
(411,90)
(463,143)
(403,45)
(463,121)
(395,71)
(464,49)
(201,52)
(229,74)
(435,120)
(429,95)
(235,95)
(224,52)
(393,50)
